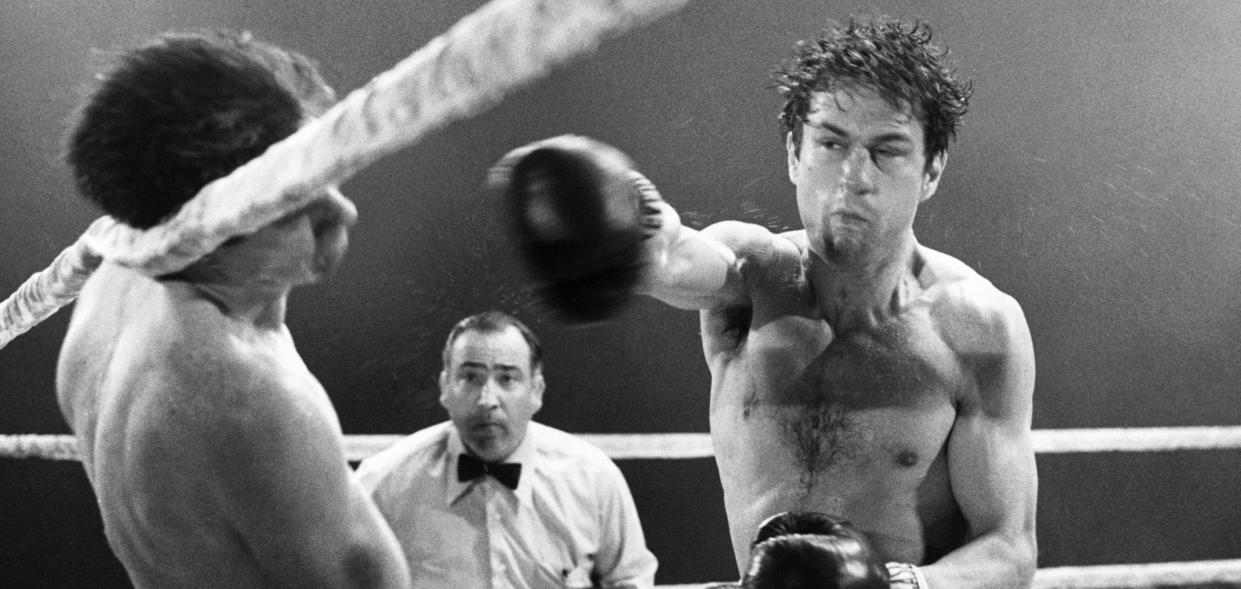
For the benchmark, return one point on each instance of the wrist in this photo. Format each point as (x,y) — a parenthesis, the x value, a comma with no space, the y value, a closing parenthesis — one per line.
(903,575)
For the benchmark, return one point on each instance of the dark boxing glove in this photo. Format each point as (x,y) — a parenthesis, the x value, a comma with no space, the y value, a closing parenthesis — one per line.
(818,549)
(579,214)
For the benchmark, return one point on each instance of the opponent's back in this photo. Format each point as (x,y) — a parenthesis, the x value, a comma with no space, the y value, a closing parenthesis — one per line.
(141,410)
(215,455)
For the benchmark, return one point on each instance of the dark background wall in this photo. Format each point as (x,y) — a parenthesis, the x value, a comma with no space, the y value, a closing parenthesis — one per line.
(1096,180)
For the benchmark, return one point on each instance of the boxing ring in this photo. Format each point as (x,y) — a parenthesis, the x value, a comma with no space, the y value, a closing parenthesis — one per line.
(682,446)
(501,47)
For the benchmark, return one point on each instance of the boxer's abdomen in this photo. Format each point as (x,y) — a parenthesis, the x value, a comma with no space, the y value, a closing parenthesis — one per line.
(854,426)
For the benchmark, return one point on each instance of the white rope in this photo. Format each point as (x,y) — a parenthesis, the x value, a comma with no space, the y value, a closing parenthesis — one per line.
(1137,439)
(1134,576)
(671,446)
(503,46)
(695,445)
(39,446)
(48,290)
(1117,576)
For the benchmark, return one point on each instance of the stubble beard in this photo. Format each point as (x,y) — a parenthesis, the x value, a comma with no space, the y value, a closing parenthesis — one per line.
(844,250)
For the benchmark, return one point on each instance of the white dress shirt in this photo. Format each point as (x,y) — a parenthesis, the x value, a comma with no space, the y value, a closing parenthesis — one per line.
(570,520)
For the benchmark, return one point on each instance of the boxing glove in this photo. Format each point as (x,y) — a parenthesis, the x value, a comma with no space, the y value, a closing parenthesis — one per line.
(579,213)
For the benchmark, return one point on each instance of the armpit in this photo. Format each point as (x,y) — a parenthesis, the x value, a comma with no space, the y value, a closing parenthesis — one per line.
(734,323)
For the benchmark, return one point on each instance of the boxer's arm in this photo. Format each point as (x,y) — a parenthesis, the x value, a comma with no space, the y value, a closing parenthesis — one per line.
(691,269)
(296,506)
(991,459)
(593,231)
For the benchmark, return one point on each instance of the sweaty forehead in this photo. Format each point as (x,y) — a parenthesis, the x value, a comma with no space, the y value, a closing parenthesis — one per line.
(856,106)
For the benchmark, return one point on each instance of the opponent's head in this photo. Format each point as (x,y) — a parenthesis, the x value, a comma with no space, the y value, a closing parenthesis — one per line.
(896,61)
(812,550)
(492,382)
(182,110)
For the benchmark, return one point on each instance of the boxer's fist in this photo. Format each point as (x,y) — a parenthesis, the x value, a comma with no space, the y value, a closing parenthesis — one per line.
(579,214)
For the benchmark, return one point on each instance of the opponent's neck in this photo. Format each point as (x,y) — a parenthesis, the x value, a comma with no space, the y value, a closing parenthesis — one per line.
(239,296)
(264,308)
(859,295)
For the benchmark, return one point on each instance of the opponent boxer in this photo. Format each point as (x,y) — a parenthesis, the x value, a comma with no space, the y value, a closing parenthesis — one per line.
(215,455)
(854,371)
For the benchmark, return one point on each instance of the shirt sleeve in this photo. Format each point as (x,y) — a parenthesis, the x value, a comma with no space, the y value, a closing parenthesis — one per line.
(623,561)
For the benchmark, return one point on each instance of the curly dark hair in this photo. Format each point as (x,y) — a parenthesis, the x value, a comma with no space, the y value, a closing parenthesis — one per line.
(897,60)
(182,110)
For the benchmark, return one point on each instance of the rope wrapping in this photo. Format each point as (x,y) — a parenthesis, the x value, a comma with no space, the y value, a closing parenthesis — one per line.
(502,46)
(46,291)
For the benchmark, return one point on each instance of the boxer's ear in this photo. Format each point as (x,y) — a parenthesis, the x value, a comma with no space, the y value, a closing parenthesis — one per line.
(931,175)
(793,160)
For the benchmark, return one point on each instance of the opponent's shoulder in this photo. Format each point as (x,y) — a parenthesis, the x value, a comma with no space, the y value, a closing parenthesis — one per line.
(240,387)
(256,398)
(161,330)
(136,343)
(119,318)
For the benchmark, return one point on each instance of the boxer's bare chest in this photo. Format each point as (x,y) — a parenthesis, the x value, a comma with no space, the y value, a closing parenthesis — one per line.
(794,391)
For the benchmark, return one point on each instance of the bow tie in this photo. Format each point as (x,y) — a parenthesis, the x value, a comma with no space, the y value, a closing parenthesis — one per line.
(471,467)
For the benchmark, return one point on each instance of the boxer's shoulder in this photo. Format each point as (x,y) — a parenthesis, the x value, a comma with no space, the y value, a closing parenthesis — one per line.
(971,312)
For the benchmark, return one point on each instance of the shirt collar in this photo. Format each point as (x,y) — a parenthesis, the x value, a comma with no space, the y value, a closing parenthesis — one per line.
(523,455)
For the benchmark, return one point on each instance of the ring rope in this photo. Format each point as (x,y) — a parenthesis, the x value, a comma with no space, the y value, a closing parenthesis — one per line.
(1117,576)
(694,445)
(698,445)
(502,46)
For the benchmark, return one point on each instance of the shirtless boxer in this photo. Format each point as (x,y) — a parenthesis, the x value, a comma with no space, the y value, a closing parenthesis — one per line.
(855,372)
(215,455)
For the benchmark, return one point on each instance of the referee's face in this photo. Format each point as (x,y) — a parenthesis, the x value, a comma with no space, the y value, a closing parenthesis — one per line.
(491,391)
